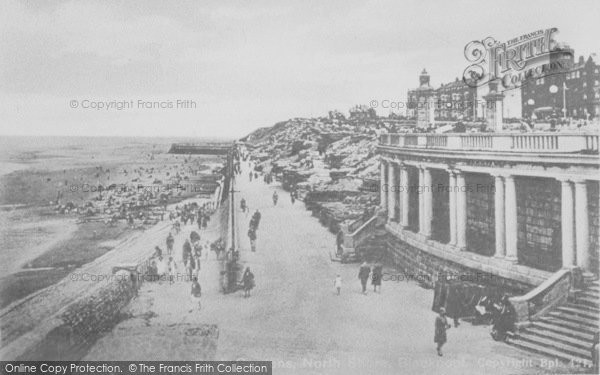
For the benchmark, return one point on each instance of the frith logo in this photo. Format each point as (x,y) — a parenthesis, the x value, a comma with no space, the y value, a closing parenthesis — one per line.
(529,56)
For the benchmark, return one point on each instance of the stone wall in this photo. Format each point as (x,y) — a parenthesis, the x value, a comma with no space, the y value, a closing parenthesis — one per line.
(86,320)
(440,218)
(539,223)
(480,214)
(425,268)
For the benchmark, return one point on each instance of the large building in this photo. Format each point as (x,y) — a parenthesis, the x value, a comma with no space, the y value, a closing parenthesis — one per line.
(455,101)
(574,94)
(514,211)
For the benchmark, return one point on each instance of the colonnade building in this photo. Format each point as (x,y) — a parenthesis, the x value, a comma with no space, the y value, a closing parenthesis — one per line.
(520,206)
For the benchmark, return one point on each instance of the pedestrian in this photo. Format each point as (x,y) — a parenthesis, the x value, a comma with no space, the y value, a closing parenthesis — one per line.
(187,251)
(190,266)
(172,269)
(196,293)
(338,283)
(247,282)
(275,198)
(170,242)
(363,275)
(292,197)
(252,237)
(376,277)
(441,325)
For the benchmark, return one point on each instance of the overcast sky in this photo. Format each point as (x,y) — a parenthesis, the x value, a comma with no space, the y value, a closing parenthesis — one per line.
(246,64)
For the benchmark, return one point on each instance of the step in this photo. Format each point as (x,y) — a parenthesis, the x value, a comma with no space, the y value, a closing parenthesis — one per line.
(558,337)
(587,301)
(595,310)
(574,318)
(575,310)
(588,294)
(583,362)
(583,336)
(557,345)
(568,324)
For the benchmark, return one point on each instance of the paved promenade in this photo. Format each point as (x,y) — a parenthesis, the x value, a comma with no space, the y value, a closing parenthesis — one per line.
(294,317)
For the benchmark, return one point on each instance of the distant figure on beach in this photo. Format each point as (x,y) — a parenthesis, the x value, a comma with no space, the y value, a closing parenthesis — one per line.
(247,282)
(275,198)
(337,283)
(363,275)
(196,293)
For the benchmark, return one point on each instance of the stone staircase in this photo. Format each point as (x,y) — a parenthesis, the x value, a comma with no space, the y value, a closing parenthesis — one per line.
(567,331)
(374,248)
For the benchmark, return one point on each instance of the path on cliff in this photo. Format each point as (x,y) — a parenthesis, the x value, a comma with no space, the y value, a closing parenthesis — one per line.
(295,319)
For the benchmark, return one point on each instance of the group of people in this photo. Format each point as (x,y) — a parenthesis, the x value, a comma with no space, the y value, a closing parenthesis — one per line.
(376,275)
(501,315)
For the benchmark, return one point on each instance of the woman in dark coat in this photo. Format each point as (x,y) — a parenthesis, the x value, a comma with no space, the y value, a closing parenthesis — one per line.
(376,277)
(441,325)
(247,282)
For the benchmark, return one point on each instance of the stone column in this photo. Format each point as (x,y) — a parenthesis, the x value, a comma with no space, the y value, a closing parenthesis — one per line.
(510,213)
(567,224)
(404,183)
(452,206)
(461,211)
(421,199)
(383,186)
(427,202)
(499,218)
(392,191)
(582,239)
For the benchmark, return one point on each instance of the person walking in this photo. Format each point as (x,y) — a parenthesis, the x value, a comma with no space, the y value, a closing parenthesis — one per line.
(172,269)
(170,242)
(441,325)
(363,275)
(252,237)
(376,277)
(275,198)
(292,196)
(190,266)
(337,283)
(247,282)
(187,251)
(196,293)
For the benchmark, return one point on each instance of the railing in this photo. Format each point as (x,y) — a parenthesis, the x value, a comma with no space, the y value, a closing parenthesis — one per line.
(552,292)
(515,142)
(357,232)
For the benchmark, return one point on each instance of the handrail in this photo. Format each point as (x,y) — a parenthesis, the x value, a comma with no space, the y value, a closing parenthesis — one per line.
(548,294)
(521,142)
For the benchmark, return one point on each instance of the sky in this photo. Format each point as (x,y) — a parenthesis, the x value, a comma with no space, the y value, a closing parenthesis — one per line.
(235,66)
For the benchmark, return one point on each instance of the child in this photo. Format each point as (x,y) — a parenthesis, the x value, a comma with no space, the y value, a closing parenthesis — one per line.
(338,283)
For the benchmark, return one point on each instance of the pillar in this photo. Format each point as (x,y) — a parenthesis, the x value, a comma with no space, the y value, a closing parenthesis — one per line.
(452,206)
(461,211)
(582,239)
(427,202)
(392,191)
(404,183)
(383,186)
(510,222)
(567,224)
(421,199)
(499,218)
